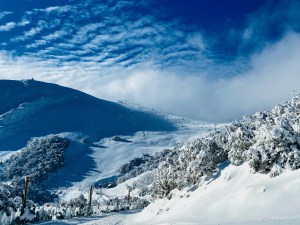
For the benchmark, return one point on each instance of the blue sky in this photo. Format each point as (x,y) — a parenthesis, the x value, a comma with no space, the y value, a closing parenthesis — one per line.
(207,59)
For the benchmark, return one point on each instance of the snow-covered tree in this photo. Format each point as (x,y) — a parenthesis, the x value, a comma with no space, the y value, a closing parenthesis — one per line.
(268,141)
(40,157)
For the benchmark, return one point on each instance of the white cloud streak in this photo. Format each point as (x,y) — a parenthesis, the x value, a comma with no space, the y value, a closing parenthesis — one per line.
(4,13)
(32,32)
(8,26)
(11,25)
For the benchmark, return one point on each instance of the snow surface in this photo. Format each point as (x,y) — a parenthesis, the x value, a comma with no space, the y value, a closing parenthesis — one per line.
(120,219)
(235,197)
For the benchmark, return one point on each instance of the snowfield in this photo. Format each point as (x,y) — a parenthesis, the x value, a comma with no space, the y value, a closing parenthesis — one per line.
(108,155)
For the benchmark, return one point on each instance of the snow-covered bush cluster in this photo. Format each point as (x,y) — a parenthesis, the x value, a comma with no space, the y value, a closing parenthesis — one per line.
(192,161)
(11,211)
(268,141)
(8,203)
(141,164)
(40,157)
(121,204)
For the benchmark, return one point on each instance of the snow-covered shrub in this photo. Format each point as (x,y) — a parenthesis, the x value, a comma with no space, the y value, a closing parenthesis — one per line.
(121,204)
(268,141)
(191,163)
(143,185)
(133,163)
(272,140)
(9,205)
(40,157)
(7,201)
(80,202)
(141,164)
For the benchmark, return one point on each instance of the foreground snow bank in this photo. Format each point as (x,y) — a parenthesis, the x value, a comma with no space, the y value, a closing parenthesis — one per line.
(236,195)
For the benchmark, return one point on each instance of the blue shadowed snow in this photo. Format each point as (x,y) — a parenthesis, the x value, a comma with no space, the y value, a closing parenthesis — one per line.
(78,164)
(31,108)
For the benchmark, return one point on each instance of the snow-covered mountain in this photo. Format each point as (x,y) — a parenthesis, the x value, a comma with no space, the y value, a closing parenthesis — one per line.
(32,109)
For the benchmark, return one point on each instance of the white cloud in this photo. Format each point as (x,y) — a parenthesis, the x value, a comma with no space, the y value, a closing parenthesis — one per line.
(274,75)
(8,26)
(40,26)
(58,9)
(4,13)
(23,23)
(11,25)
(48,39)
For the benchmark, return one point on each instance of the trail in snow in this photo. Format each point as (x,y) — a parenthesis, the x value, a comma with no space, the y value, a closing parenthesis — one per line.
(105,219)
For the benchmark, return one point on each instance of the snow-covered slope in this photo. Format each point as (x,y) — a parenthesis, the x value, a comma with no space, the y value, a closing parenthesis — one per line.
(236,195)
(30,108)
